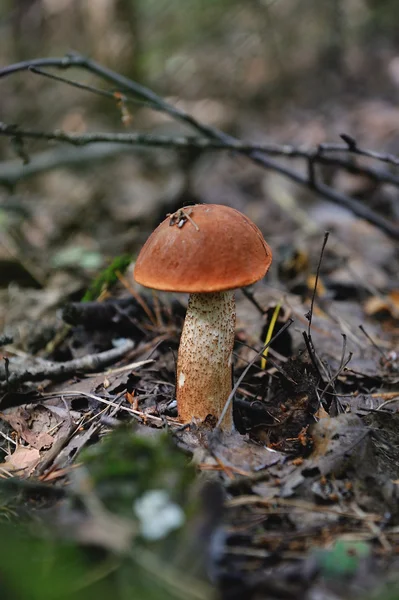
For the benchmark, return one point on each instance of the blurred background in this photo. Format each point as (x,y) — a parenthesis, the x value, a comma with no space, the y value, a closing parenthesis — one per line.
(297,71)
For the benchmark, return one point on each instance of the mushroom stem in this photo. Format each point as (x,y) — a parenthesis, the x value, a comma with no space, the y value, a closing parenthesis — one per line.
(204,365)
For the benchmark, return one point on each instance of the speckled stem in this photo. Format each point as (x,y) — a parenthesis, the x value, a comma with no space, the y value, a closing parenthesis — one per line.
(204,365)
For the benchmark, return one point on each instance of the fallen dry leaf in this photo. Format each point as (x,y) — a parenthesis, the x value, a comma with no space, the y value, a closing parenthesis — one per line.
(18,419)
(387,306)
(22,459)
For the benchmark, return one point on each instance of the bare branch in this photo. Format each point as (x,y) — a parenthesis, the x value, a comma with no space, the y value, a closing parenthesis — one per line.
(13,171)
(310,155)
(351,146)
(90,88)
(143,93)
(53,370)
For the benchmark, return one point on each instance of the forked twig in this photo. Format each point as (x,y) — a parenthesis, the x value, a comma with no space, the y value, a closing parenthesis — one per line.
(140,92)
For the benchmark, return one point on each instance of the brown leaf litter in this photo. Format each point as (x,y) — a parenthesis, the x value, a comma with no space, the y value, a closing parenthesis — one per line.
(314,457)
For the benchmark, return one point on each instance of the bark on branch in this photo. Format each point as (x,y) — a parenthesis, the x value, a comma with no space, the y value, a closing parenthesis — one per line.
(137,91)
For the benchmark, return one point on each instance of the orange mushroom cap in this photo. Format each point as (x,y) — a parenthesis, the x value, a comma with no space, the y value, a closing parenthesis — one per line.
(217,248)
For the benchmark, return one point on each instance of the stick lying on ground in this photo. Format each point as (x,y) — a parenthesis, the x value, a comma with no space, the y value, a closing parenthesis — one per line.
(53,370)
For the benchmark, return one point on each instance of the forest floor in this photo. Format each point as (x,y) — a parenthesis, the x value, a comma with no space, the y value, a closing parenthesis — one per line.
(99,479)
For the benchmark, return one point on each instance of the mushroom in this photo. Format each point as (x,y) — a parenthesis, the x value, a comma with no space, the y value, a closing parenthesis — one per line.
(207,250)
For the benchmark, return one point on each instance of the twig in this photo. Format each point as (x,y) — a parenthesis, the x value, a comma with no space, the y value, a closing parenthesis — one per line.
(250,296)
(372,342)
(312,354)
(351,146)
(301,505)
(387,402)
(335,376)
(89,88)
(140,301)
(309,315)
(53,370)
(13,171)
(312,156)
(375,530)
(136,413)
(253,478)
(243,374)
(344,341)
(143,93)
